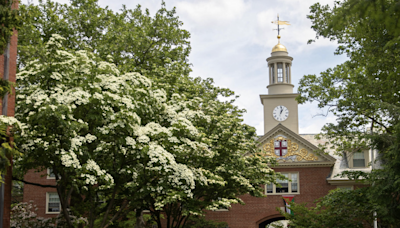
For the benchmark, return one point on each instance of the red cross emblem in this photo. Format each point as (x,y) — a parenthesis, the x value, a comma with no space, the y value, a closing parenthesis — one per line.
(280,147)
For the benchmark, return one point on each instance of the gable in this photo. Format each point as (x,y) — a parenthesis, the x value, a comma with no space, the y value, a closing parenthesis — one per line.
(290,149)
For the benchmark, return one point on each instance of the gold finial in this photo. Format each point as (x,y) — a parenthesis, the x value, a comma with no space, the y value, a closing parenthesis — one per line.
(278,22)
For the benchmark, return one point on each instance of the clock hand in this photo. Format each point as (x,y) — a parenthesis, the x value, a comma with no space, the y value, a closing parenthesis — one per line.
(281,111)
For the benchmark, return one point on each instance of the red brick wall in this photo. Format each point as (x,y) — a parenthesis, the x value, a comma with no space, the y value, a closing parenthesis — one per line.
(10,112)
(313,185)
(38,194)
(12,70)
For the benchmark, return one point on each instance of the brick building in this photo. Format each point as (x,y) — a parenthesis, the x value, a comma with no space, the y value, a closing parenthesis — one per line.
(8,108)
(45,198)
(312,174)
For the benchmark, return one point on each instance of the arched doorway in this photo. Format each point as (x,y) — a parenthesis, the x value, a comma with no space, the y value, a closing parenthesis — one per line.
(268,221)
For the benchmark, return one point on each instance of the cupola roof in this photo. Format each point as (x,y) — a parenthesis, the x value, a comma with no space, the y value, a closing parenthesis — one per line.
(279,46)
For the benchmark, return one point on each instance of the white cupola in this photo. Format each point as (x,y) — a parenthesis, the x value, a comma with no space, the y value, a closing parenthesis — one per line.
(280,74)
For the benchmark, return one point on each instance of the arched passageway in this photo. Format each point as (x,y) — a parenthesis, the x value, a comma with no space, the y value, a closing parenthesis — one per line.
(266,222)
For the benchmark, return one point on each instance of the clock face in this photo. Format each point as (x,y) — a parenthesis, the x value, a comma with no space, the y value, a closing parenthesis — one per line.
(280,113)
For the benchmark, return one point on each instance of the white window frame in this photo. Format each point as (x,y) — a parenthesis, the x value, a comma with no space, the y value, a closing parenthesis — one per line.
(47,203)
(350,157)
(49,173)
(222,209)
(289,186)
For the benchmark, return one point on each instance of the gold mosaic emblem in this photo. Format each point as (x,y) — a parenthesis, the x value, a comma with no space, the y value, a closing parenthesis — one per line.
(292,150)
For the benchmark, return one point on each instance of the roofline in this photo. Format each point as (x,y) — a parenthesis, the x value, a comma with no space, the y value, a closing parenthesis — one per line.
(294,135)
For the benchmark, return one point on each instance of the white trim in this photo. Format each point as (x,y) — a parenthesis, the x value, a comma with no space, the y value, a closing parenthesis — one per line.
(289,186)
(280,129)
(47,204)
(308,164)
(222,210)
(350,160)
(282,193)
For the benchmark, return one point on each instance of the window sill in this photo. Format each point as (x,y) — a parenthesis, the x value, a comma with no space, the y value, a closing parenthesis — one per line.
(282,193)
(52,213)
(222,210)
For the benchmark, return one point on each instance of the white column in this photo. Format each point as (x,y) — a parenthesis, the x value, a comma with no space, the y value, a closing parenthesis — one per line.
(269,73)
(284,73)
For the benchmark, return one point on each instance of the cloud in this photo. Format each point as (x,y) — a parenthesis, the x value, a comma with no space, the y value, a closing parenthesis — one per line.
(212,13)
(231,40)
(312,119)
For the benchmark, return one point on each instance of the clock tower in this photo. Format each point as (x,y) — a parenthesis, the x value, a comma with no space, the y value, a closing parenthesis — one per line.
(280,106)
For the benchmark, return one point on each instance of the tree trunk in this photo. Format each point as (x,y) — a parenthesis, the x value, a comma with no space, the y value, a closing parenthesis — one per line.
(139,219)
(64,205)
(7,196)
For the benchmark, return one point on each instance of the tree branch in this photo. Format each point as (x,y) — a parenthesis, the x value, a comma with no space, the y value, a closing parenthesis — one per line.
(124,204)
(35,184)
(109,205)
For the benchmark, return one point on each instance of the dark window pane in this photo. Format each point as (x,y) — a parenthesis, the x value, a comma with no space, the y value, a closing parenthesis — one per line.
(358,162)
(284,188)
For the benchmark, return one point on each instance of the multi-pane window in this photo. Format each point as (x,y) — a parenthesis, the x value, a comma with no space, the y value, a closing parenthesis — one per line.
(50,174)
(359,159)
(280,72)
(286,186)
(53,203)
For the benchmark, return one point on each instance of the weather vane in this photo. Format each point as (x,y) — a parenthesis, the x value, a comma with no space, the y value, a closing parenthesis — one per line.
(278,22)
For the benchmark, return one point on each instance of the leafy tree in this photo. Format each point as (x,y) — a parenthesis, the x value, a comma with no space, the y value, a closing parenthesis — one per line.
(218,149)
(363,92)
(8,149)
(9,20)
(117,144)
(339,209)
(156,47)
(24,215)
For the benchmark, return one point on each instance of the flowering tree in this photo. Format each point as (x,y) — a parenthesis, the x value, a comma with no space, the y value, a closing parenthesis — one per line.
(117,144)
(24,215)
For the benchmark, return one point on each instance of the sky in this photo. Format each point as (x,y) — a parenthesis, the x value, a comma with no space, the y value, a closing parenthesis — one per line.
(231,40)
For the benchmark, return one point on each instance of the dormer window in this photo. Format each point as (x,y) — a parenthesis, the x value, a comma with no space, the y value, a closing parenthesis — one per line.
(358,159)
